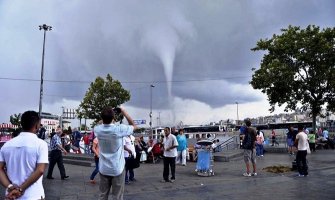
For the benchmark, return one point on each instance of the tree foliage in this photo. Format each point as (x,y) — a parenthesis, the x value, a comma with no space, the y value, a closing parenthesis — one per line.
(102,93)
(15,119)
(298,67)
(139,130)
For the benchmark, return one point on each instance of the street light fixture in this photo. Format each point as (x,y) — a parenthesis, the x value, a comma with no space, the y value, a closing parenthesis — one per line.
(151,86)
(45,28)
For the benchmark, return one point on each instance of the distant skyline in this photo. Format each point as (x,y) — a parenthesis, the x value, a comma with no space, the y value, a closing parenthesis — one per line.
(196,53)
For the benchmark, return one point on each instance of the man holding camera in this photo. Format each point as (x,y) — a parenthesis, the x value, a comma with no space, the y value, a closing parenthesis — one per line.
(111,155)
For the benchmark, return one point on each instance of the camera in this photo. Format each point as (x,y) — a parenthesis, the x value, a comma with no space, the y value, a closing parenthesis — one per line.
(118,116)
(117,110)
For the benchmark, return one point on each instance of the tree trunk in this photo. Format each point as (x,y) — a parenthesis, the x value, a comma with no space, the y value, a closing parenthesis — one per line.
(314,121)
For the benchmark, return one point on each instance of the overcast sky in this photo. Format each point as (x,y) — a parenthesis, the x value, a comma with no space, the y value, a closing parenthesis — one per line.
(196,53)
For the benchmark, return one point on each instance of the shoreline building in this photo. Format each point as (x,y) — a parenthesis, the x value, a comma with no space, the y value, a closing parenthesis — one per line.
(50,121)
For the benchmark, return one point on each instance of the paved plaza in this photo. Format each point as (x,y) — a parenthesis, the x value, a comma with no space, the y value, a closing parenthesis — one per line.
(228,182)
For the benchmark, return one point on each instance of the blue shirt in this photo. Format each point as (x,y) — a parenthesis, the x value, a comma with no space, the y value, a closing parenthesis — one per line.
(182,142)
(55,141)
(242,130)
(77,136)
(111,155)
(325,134)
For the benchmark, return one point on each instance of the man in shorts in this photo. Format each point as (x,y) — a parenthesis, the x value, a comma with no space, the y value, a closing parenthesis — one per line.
(248,145)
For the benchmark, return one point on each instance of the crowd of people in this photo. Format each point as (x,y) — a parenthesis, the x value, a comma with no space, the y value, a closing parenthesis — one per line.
(300,141)
(117,153)
(110,142)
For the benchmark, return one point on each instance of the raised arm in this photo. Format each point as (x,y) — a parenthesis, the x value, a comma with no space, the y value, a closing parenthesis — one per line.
(129,119)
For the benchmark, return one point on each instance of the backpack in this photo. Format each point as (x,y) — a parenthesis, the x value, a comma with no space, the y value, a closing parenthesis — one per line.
(247,141)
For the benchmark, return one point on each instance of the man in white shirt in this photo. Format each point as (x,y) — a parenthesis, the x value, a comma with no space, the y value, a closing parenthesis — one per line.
(111,155)
(129,152)
(25,158)
(170,153)
(302,142)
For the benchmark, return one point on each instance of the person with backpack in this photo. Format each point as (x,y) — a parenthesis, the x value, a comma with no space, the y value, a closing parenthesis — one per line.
(77,138)
(248,145)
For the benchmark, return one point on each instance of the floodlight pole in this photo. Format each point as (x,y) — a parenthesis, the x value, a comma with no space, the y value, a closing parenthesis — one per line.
(45,28)
(151,86)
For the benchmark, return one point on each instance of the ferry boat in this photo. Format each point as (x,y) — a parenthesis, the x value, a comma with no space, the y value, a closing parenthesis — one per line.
(192,132)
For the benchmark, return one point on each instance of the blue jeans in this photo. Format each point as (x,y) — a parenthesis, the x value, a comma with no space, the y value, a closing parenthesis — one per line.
(131,173)
(96,170)
(259,149)
(87,148)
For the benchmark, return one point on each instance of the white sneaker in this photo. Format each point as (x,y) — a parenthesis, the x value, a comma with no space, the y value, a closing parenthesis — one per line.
(246,174)
(254,174)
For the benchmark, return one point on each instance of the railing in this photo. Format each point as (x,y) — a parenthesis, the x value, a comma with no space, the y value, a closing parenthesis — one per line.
(231,143)
(281,138)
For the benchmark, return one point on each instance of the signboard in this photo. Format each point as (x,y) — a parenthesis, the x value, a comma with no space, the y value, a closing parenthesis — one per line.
(139,121)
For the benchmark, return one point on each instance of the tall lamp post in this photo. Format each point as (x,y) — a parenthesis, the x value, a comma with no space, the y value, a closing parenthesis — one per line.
(45,28)
(151,86)
(61,118)
(237,112)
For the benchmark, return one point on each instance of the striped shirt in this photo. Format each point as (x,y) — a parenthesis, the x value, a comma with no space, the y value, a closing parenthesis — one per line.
(55,141)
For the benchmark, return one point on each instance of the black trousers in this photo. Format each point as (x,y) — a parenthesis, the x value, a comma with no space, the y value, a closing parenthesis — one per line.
(302,162)
(312,146)
(56,157)
(169,162)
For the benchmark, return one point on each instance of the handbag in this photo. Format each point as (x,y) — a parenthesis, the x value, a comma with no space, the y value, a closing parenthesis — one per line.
(308,149)
(143,156)
(132,163)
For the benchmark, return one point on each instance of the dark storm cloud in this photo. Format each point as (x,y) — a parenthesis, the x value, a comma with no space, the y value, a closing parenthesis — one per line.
(144,42)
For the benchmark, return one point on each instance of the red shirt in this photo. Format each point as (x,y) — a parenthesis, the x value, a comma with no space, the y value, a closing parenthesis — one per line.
(86,139)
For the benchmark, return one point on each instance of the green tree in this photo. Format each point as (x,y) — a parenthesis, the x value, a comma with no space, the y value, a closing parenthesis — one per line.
(298,69)
(15,119)
(83,127)
(139,130)
(102,93)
